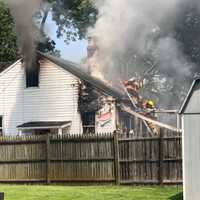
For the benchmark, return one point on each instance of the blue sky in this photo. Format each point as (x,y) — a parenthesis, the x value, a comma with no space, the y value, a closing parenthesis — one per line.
(75,51)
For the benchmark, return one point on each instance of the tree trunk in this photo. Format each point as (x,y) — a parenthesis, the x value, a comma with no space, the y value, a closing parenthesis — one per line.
(46,12)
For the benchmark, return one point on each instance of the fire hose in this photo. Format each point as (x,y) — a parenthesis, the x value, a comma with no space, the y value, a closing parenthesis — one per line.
(144,118)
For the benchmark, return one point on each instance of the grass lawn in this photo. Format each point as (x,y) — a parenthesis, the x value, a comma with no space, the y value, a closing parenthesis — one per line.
(13,192)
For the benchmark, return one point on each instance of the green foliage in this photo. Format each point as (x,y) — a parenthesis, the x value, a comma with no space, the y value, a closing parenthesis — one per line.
(8,40)
(88,192)
(48,46)
(177,197)
(73,17)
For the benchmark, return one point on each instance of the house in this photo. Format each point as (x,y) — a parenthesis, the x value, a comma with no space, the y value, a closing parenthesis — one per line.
(190,114)
(57,96)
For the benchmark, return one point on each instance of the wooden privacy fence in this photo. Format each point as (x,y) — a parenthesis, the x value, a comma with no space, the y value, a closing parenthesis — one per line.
(91,158)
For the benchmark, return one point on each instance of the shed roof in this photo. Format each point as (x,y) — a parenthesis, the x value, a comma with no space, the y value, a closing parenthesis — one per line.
(44,124)
(191,104)
(76,70)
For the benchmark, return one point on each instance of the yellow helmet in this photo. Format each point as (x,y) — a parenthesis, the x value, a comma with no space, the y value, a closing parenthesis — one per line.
(151,103)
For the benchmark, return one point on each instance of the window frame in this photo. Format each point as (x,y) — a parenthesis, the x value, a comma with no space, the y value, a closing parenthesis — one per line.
(88,127)
(1,125)
(38,76)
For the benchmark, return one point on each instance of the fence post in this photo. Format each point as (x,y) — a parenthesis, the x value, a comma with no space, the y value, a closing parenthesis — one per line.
(161,157)
(48,159)
(1,196)
(116,158)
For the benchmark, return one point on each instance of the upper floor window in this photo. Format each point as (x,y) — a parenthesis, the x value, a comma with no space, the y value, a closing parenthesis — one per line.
(1,125)
(32,75)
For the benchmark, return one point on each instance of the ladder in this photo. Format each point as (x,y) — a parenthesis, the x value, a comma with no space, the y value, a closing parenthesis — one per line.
(134,105)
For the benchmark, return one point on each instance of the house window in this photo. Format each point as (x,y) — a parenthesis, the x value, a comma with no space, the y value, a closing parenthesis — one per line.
(32,75)
(88,120)
(41,131)
(1,125)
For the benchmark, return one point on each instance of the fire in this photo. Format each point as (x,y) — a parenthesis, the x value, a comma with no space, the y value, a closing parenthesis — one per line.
(93,64)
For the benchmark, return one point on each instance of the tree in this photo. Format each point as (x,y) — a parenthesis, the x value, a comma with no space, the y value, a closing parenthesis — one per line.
(8,40)
(187,30)
(72,17)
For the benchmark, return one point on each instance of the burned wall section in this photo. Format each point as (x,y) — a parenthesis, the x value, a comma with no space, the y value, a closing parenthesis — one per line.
(101,113)
(32,71)
(88,106)
(98,111)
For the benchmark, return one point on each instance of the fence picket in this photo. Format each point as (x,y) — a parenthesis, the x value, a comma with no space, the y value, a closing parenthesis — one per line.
(92,158)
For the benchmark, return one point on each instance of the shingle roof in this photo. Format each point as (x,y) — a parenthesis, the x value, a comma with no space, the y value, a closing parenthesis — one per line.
(42,124)
(76,70)
(189,94)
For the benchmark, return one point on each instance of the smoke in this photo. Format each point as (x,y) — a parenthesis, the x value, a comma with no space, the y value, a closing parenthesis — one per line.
(139,27)
(128,30)
(23,12)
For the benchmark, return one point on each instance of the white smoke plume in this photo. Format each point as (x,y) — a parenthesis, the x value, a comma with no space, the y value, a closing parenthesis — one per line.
(23,12)
(132,28)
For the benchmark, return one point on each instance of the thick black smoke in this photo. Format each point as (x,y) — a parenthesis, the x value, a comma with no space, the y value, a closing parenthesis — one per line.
(23,12)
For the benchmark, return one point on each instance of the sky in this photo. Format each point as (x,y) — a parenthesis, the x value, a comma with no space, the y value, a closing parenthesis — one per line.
(75,51)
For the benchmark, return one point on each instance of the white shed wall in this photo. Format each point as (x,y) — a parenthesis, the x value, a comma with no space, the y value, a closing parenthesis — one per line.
(56,98)
(194,100)
(191,156)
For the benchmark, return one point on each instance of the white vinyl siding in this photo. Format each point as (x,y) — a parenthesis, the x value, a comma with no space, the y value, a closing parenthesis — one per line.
(191,156)
(56,98)
(190,113)
(194,100)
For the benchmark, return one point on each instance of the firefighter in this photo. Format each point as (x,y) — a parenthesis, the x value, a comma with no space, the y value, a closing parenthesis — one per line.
(149,111)
(133,86)
(149,105)
(149,108)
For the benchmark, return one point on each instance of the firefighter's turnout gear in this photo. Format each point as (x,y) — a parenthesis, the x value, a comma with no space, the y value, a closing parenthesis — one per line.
(146,107)
(149,108)
(132,87)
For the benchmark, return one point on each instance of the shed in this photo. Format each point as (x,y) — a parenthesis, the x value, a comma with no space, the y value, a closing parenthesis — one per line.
(190,114)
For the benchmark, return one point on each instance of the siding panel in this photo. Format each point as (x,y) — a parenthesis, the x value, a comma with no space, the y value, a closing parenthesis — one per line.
(56,98)
(191,156)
